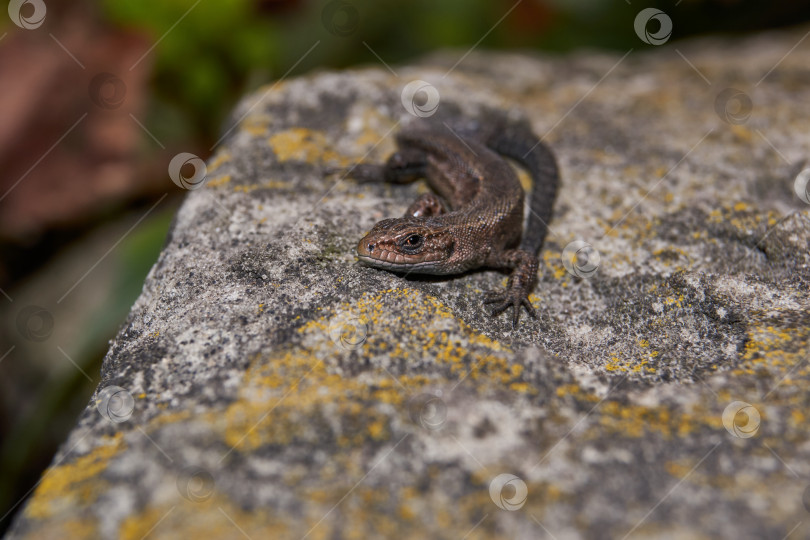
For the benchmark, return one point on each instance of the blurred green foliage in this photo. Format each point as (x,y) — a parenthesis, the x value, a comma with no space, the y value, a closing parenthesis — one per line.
(204,54)
(209,53)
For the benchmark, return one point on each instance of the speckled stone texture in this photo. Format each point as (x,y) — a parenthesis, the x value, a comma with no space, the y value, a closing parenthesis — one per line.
(281,390)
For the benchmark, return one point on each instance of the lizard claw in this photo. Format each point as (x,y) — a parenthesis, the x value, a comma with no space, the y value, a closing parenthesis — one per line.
(509,298)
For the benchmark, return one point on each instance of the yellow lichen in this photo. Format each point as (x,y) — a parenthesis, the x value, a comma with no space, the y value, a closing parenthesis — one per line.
(74,483)
(220,159)
(304,145)
(218,181)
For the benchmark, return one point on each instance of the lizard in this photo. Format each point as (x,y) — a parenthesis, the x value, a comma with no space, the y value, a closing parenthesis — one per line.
(474,216)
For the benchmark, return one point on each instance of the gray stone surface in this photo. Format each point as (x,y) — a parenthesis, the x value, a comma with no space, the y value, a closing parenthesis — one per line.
(281,390)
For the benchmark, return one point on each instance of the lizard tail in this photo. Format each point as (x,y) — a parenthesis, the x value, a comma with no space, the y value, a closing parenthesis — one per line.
(517,141)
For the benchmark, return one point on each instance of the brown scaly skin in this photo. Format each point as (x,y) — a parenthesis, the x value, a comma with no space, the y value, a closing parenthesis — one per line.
(485,200)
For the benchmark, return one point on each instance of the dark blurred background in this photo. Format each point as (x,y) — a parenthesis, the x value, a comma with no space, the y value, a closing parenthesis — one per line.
(98,96)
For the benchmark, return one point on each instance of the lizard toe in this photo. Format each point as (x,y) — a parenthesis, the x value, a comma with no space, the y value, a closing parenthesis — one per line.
(500,308)
(515,316)
(529,308)
(493,297)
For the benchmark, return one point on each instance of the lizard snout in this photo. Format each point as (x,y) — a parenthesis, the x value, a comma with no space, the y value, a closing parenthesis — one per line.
(365,248)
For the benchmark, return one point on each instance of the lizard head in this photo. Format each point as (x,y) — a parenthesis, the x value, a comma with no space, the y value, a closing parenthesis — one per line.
(407,244)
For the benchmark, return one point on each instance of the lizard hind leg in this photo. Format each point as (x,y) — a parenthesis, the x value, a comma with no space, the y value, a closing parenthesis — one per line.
(427,205)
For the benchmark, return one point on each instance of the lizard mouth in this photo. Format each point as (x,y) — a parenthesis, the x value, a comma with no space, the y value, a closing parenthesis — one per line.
(391,260)
(422,266)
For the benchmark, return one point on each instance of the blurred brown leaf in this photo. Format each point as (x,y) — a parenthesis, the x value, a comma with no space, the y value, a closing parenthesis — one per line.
(68,141)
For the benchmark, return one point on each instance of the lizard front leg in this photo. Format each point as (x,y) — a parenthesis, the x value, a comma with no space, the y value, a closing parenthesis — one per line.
(403,166)
(518,287)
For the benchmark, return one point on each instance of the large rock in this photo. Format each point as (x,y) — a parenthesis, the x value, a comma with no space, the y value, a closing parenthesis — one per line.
(267,385)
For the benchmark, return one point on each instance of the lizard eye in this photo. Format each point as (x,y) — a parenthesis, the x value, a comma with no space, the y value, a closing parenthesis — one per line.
(412,242)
